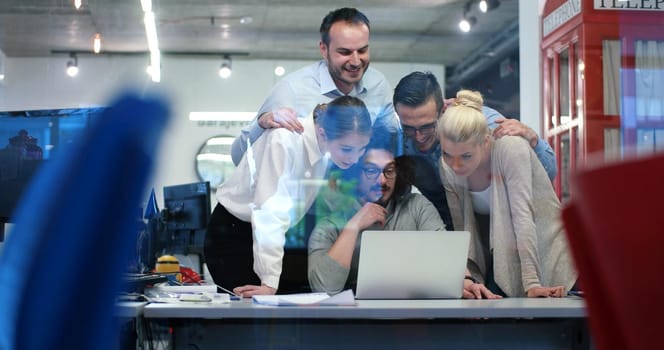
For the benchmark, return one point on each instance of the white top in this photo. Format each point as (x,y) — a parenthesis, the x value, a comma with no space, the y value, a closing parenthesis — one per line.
(482,201)
(274,185)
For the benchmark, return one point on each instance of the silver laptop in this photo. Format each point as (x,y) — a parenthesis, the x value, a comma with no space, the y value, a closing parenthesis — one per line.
(412,264)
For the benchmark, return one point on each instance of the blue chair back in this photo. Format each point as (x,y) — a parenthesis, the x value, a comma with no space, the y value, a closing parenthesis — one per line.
(75,230)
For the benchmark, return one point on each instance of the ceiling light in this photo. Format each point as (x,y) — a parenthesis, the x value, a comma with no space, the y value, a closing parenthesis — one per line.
(225,69)
(3,59)
(146,5)
(151,31)
(222,116)
(77,4)
(96,43)
(466,24)
(153,40)
(488,5)
(279,71)
(155,66)
(72,65)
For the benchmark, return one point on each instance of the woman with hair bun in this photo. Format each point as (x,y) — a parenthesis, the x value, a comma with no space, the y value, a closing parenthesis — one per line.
(499,191)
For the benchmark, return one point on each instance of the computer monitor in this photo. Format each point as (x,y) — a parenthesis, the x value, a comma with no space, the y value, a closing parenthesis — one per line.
(179,229)
(28,139)
(187,207)
(15,175)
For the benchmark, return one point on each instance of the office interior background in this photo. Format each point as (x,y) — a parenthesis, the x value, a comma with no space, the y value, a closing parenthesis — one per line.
(501,55)
(422,35)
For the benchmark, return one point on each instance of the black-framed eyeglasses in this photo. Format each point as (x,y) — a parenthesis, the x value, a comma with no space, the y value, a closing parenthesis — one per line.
(372,173)
(424,130)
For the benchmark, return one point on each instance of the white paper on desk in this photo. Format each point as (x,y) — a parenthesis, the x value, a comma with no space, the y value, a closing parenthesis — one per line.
(156,296)
(345,298)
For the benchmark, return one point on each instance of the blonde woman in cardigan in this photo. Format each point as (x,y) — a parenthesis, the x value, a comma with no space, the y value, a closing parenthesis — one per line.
(521,249)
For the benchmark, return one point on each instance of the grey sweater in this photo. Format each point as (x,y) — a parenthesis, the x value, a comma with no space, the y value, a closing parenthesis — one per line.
(526,236)
(411,212)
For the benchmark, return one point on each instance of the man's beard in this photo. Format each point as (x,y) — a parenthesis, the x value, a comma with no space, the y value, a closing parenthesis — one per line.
(337,73)
(382,201)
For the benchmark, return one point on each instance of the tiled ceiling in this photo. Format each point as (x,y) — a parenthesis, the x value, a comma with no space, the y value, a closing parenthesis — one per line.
(418,31)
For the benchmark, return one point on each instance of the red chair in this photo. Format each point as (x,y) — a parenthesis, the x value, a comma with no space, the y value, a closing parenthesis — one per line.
(615,225)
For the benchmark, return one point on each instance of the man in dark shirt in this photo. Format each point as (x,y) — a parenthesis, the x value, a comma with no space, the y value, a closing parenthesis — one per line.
(418,101)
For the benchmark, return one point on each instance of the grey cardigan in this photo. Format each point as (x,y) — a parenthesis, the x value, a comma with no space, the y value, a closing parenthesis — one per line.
(526,237)
(411,212)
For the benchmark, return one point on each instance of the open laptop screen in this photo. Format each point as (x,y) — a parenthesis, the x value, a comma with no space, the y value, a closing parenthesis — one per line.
(412,264)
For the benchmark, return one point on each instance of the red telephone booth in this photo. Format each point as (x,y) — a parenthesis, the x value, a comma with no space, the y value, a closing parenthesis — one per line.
(603,80)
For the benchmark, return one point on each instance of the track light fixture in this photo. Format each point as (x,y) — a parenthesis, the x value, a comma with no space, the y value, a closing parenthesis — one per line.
(279,71)
(72,65)
(488,5)
(467,22)
(225,69)
(96,43)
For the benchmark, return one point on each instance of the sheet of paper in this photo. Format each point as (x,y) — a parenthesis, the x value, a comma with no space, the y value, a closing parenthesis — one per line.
(304,299)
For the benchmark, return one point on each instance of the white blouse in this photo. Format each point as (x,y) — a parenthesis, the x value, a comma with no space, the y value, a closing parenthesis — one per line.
(274,185)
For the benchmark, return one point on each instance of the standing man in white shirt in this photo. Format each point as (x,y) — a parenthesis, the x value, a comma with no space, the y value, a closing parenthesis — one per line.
(344,70)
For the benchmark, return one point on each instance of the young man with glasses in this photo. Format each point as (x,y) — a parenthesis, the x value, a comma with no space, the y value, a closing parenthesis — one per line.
(418,101)
(384,202)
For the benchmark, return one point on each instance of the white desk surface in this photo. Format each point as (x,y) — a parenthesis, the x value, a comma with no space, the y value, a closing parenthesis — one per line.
(570,307)
(129,309)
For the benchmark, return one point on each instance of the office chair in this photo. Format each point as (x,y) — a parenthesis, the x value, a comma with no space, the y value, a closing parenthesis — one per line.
(615,226)
(63,263)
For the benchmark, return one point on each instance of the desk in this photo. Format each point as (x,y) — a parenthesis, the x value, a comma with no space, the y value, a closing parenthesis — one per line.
(129,314)
(129,309)
(510,323)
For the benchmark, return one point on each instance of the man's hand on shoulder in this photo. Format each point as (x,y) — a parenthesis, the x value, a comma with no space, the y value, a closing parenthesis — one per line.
(448,102)
(513,127)
(281,118)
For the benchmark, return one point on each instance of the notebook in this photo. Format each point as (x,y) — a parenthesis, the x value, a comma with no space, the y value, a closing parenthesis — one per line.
(412,264)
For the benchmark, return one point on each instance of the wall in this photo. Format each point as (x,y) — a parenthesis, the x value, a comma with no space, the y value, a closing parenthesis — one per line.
(529,63)
(498,83)
(191,84)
